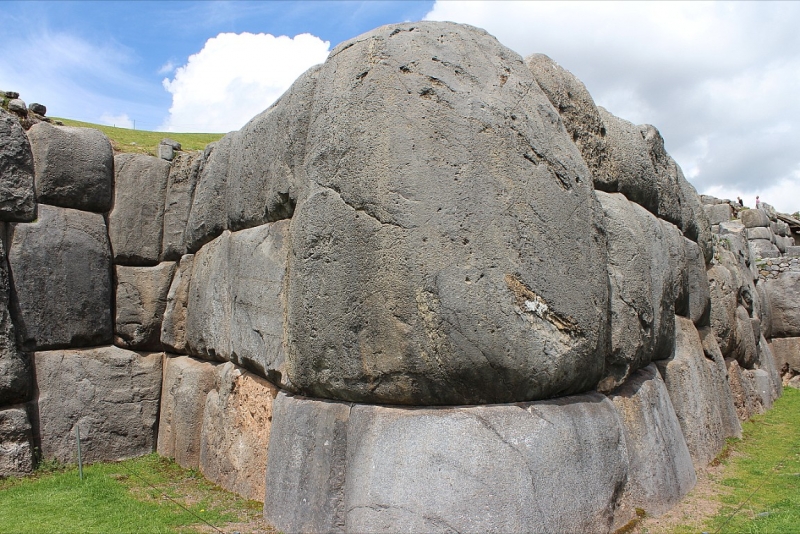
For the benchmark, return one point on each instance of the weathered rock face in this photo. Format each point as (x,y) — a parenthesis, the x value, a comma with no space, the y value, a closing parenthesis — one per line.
(236,428)
(695,394)
(236,304)
(660,467)
(74,167)
(718,213)
(110,393)
(183,394)
(61,279)
(643,286)
(141,300)
(786,351)
(207,218)
(446,249)
(135,224)
(784,295)
(623,157)
(173,327)
(16,442)
(337,468)
(15,373)
(754,218)
(183,176)
(17,198)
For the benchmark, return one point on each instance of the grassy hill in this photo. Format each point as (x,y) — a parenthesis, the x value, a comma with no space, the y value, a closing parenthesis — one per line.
(144,142)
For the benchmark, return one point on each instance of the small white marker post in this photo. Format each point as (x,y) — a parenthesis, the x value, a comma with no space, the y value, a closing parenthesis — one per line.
(80,461)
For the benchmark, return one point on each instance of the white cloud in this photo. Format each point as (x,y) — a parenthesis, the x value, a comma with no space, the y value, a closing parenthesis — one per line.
(235,77)
(120,121)
(167,67)
(719,79)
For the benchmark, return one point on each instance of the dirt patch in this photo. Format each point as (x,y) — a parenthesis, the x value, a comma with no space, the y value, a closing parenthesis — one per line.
(703,502)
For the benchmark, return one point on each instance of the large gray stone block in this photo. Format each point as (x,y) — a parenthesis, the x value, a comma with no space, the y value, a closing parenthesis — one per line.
(754,218)
(183,176)
(433,261)
(110,393)
(207,216)
(472,469)
(17,196)
(16,442)
(183,399)
(140,304)
(643,286)
(784,296)
(766,362)
(236,307)
(74,167)
(236,426)
(173,327)
(690,382)
(786,351)
(763,248)
(696,289)
(135,224)
(720,383)
(745,348)
(718,213)
(660,470)
(15,372)
(760,232)
(577,109)
(61,277)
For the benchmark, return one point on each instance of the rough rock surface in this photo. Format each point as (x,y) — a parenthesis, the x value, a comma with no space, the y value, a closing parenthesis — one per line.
(623,157)
(17,197)
(173,327)
(135,224)
(720,383)
(61,277)
(724,300)
(74,167)
(718,213)
(16,442)
(236,428)
(207,216)
(183,398)
(689,379)
(746,398)
(236,304)
(697,292)
(112,394)
(447,218)
(786,351)
(754,218)
(745,349)
(141,300)
(183,175)
(334,468)
(15,372)
(643,286)
(660,468)
(784,295)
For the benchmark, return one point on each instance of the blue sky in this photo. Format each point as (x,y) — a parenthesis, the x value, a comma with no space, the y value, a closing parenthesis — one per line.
(719,79)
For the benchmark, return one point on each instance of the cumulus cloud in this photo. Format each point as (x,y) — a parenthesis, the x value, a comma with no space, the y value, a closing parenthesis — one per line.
(235,77)
(120,121)
(719,79)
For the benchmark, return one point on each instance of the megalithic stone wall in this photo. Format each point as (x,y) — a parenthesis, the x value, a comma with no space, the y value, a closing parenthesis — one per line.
(433,287)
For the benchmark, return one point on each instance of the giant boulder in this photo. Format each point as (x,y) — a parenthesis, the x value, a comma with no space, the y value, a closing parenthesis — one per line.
(74,167)
(16,442)
(17,197)
(784,295)
(141,301)
(236,301)
(61,278)
(183,176)
(549,466)
(236,427)
(447,217)
(173,326)
(135,224)
(111,394)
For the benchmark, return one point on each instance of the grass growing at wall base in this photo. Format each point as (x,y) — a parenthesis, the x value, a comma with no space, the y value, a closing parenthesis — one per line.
(114,498)
(764,474)
(144,142)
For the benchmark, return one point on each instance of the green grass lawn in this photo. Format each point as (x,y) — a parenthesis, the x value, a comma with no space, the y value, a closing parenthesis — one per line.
(144,142)
(763,474)
(118,497)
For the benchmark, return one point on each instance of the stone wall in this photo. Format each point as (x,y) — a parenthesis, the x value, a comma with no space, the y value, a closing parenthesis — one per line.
(432,288)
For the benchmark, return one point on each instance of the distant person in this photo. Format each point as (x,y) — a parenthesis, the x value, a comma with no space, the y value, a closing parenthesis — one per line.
(758,202)
(740,201)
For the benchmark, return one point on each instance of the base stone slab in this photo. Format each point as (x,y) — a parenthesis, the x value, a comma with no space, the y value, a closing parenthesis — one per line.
(545,466)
